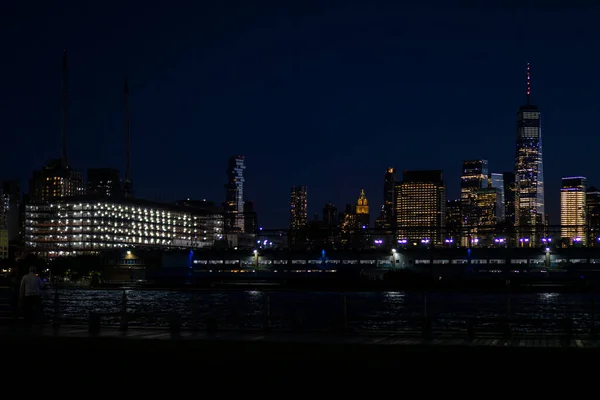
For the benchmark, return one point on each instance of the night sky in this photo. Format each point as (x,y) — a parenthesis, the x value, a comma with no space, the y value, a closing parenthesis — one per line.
(325,94)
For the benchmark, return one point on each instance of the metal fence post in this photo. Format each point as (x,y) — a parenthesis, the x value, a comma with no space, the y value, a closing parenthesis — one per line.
(267,314)
(344,313)
(56,319)
(124,319)
(94,323)
(194,311)
(593,318)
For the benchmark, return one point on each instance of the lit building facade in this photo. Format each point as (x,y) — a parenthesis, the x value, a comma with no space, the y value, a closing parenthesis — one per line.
(83,226)
(234,195)
(488,204)
(55,182)
(573,210)
(474,177)
(298,207)
(421,207)
(529,172)
(362,210)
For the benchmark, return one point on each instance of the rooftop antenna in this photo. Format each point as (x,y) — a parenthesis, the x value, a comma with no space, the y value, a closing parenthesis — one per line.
(65,109)
(127,134)
(528,82)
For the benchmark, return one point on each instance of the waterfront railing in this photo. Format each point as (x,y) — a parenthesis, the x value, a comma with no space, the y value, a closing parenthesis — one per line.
(340,313)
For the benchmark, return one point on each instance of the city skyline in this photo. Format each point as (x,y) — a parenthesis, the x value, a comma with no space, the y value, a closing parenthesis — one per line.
(351,111)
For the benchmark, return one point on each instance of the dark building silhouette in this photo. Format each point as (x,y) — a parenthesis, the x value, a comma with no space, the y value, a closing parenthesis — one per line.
(330,216)
(198,204)
(234,195)
(250,217)
(497,182)
(453,220)
(10,205)
(104,182)
(388,212)
(54,182)
(592,200)
(509,197)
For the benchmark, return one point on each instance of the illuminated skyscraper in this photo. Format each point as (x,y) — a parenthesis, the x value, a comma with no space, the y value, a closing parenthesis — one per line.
(234,195)
(421,206)
(488,206)
(529,175)
(362,210)
(474,177)
(298,207)
(573,210)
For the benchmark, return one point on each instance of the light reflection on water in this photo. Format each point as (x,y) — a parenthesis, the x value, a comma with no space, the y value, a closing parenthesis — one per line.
(365,310)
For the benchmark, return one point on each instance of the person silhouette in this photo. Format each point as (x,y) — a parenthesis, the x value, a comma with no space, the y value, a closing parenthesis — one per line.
(31,295)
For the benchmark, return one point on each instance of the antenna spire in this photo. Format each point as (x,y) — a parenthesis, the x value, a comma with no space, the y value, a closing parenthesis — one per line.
(528,82)
(128,184)
(127,133)
(65,107)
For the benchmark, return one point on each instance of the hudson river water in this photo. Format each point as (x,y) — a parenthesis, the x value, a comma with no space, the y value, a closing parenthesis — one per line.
(317,310)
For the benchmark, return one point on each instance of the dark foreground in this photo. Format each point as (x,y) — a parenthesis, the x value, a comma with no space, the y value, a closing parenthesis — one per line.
(156,347)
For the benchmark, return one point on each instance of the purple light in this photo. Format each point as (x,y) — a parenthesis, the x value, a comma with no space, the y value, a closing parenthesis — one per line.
(402,241)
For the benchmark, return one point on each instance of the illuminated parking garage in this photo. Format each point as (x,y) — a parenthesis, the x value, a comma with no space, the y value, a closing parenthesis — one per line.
(84,227)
